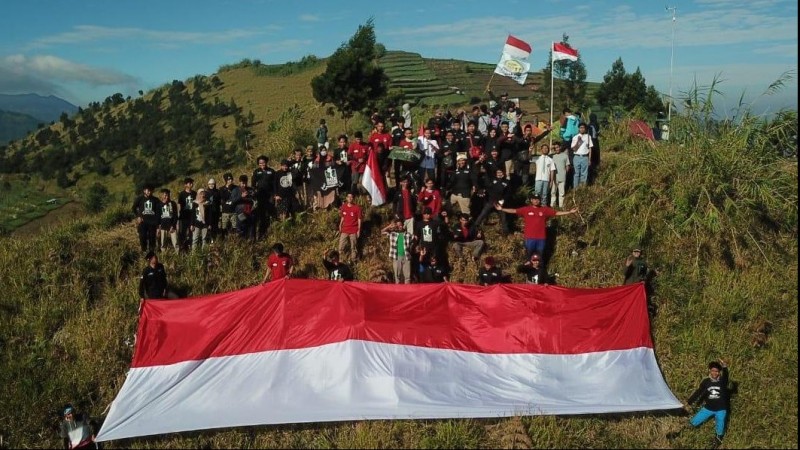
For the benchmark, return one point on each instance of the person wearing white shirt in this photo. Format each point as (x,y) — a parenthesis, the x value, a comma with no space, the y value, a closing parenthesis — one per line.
(430,152)
(545,173)
(582,156)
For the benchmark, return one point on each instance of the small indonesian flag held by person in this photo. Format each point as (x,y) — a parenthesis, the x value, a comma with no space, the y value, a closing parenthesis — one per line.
(564,51)
(373,180)
(514,60)
(296,350)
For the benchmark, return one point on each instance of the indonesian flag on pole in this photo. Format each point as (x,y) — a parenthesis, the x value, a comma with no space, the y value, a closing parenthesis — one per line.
(514,60)
(564,51)
(299,350)
(373,180)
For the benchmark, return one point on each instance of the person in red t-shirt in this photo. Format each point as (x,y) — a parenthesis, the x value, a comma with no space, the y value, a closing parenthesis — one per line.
(380,136)
(430,197)
(279,264)
(535,218)
(350,226)
(357,153)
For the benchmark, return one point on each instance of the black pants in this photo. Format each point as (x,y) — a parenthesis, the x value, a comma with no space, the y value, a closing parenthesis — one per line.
(261,216)
(147,235)
(487,209)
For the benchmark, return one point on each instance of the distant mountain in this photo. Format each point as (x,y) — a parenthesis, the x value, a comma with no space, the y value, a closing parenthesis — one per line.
(45,109)
(14,125)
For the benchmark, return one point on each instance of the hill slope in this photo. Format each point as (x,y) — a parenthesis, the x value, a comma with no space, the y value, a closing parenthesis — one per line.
(723,238)
(45,109)
(15,125)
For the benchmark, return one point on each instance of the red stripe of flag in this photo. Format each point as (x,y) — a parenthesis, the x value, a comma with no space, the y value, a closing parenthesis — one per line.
(296,313)
(522,45)
(564,49)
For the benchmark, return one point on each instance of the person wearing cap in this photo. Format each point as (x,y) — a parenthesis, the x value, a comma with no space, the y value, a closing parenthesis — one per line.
(285,194)
(214,199)
(463,184)
(186,212)
(535,219)
(533,270)
(357,153)
(153,282)
(168,222)
(228,194)
(399,250)
(337,270)
(144,207)
(75,429)
(279,264)
(199,225)
(350,217)
(263,184)
(635,267)
(489,274)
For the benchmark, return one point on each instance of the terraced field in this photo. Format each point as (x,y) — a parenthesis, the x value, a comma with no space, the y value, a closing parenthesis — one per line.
(421,85)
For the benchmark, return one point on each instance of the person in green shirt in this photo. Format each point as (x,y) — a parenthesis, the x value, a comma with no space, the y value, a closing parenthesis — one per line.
(399,251)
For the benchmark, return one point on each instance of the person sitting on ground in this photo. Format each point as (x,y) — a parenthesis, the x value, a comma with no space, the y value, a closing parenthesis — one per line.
(714,394)
(533,270)
(279,264)
(337,271)
(489,274)
(153,283)
(76,430)
(467,234)
(430,269)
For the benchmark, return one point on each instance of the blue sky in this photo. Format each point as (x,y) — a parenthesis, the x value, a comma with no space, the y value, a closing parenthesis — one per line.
(86,50)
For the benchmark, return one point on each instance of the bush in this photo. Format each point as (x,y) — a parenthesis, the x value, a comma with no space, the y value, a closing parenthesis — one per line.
(96,197)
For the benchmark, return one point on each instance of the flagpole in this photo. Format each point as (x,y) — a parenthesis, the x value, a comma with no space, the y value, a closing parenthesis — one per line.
(489,84)
(552,66)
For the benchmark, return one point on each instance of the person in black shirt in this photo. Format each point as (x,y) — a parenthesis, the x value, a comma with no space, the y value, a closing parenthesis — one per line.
(714,394)
(263,182)
(228,195)
(284,191)
(214,211)
(427,232)
(337,271)
(430,269)
(496,192)
(168,221)
(533,270)
(489,274)
(145,208)
(186,211)
(153,283)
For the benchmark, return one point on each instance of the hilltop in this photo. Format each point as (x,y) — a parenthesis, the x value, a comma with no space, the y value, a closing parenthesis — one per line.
(44,108)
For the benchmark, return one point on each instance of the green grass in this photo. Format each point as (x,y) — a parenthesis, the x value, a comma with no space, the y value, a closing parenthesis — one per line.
(20,203)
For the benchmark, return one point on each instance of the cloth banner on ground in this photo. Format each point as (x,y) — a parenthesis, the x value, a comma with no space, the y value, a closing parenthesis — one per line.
(300,350)
(514,60)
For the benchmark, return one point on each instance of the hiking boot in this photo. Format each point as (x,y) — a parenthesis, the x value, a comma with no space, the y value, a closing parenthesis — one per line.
(716,442)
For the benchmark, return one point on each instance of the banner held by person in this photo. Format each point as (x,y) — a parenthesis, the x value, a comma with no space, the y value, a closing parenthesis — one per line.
(295,351)
(514,60)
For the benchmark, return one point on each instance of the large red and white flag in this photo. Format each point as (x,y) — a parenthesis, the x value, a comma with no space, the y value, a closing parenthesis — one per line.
(564,51)
(514,60)
(373,180)
(318,351)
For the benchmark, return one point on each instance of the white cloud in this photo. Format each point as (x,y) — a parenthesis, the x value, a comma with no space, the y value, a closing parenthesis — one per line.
(93,33)
(55,69)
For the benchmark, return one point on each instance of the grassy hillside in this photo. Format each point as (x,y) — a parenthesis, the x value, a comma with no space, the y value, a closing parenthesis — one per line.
(719,223)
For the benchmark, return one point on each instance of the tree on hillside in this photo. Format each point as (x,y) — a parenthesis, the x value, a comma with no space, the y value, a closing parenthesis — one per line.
(570,82)
(353,80)
(621,91)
